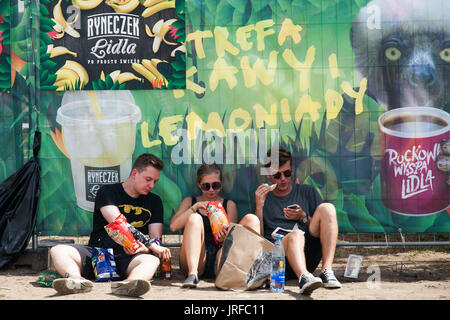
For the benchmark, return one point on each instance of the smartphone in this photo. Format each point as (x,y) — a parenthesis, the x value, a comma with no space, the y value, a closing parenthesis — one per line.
(293,206)
(280,231)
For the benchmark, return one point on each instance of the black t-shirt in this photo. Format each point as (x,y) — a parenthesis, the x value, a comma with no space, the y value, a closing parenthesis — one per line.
(139,212)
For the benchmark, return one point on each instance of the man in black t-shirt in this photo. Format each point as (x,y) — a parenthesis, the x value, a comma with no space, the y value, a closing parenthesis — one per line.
(143,210)
(299,208)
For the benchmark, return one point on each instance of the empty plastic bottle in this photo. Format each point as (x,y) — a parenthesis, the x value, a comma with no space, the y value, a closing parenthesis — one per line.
(278,267)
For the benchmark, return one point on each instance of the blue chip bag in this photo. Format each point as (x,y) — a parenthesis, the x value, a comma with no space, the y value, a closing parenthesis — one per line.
(104,265)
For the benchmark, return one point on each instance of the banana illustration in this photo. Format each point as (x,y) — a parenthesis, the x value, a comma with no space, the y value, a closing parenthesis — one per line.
(149,3)
(86,4)
(59,51)
(151,10)
(65,74)
(79,75)
(150,72)
(159,32)
(151,65)
(144,71)
(61,25)
(181,48)
(121,77)
(127,76)
(123,7)
(114,75)
(58,15)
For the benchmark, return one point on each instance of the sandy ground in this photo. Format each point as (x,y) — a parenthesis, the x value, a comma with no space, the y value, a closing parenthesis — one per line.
(387,273)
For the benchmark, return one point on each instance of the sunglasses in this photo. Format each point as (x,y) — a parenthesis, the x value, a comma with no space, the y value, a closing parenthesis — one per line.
(215,185)
(286,173)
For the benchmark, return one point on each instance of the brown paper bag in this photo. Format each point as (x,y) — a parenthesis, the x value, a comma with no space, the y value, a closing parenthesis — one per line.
(246,260)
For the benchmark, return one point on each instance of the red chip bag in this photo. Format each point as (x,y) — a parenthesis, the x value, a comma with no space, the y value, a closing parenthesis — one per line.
(119,232)
(217,217)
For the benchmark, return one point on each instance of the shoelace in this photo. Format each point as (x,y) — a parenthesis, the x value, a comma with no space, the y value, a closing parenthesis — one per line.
(329,274)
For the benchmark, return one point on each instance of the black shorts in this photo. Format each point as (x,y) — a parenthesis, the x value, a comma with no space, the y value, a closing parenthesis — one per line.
(209,272)
(313,255)
(122,261)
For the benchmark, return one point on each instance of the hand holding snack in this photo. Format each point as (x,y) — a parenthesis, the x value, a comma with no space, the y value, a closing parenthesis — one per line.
(218,219)
(119,232)
(261,193)
(201,207)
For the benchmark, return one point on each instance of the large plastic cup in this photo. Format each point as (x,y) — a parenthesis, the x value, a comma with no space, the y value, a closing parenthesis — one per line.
(100,151)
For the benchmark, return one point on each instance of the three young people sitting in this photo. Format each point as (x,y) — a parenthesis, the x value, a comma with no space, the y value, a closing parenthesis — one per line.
(199,252)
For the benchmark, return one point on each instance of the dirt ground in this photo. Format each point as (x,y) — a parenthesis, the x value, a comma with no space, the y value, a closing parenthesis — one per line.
(387,273)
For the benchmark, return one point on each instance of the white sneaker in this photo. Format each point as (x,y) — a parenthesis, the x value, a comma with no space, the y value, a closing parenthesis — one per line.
(134,288)
(308,283)
(329,280)
(71,285)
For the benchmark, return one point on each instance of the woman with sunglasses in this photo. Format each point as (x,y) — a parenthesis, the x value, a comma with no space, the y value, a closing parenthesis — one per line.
(199,252)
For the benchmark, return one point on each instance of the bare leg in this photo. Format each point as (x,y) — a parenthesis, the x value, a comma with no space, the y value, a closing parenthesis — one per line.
(324,225)
(251,221)
(143,266)
(193,254)
(67,261)
(294,244)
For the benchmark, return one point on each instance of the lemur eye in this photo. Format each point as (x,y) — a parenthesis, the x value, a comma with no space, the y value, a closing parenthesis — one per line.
(445,54)
(393,53)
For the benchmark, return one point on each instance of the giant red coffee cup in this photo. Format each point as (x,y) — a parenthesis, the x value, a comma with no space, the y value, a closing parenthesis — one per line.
(411,183)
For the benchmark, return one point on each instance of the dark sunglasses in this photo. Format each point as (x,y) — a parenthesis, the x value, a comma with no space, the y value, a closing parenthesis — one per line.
(214,185)
(286,173)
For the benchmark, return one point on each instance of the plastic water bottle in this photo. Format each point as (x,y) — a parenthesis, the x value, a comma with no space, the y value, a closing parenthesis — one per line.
(278,266)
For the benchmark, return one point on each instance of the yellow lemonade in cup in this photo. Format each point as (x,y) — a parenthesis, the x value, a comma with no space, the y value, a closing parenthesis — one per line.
(100,150)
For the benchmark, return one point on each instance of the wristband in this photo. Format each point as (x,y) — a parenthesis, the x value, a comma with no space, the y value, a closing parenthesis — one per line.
(155,240)
(193,210)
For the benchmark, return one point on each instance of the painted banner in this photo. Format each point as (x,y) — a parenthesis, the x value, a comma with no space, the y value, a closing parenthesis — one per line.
(357,90)
(111,45)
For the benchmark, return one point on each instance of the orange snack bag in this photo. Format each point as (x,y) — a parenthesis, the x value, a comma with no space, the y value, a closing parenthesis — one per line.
(217,217)
(119,232)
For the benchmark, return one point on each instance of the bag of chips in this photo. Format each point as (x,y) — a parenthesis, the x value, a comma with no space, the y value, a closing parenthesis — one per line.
(217,217)
(104,265)
(46,278)
(119,232)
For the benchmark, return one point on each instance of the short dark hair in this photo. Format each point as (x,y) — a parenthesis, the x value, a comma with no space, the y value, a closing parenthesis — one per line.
(283,157)
(148,159)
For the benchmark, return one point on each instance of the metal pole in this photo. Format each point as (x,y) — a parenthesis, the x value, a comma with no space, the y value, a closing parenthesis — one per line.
(385,244)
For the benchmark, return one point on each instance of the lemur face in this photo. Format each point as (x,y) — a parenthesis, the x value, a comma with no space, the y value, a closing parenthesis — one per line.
(406,55)
(416,69)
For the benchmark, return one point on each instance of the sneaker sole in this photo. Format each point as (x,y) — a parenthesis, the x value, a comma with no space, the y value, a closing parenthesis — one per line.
(70,286)
(134,288)
(309,289)
(331,286)
(189,285)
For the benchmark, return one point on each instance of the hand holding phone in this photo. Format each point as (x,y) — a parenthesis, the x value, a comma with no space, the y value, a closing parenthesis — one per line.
(293,206)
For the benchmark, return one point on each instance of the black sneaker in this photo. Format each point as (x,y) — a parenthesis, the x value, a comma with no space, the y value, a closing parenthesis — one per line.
(308,283)
(191,281)
(329,280)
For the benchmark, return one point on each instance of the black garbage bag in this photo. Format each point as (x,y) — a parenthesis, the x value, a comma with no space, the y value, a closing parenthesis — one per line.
(19,198)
